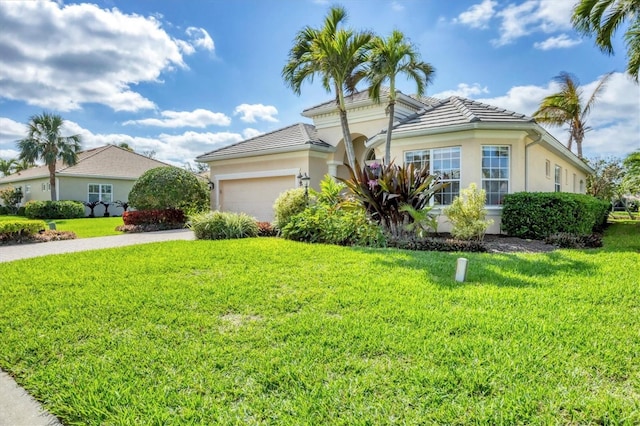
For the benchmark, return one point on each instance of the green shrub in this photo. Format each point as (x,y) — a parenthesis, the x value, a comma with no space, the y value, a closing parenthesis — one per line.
(223,225)
(54,209)
(323,224)
(16,230)
(467,214)
(4,211)
(384,189)
(436,244)
(265,229)
(287,205)
(169,188)
(537,215)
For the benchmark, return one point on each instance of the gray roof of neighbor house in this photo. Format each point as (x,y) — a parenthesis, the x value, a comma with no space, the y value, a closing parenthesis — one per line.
(455,111)
(108,161)
(298,135)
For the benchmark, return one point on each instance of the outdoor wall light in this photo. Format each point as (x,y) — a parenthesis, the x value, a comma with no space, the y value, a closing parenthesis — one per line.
(303,180)
(211,185)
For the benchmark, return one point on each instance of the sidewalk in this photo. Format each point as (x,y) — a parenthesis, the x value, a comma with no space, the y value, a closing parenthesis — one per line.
(17,407)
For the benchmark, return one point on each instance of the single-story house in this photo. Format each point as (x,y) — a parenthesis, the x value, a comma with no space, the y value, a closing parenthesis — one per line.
(104,174)
(462,140)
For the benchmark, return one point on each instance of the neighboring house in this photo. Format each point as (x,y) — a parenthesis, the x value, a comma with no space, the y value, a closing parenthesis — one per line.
(103,174)
(462,140)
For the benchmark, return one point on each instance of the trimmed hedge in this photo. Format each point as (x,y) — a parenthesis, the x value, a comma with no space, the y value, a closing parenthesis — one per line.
(169,217)
(54,209)
(537,215)
(15,230)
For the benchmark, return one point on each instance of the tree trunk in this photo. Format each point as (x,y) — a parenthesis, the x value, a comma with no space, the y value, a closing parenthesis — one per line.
(346,134)
(52,181)
(387,147)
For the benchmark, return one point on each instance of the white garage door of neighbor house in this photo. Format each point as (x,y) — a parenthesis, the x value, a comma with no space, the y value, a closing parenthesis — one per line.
(254,197)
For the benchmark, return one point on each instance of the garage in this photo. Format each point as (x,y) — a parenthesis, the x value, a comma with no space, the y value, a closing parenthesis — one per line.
(254,196)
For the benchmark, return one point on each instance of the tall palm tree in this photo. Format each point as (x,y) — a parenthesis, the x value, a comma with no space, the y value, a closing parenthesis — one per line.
(335,55)
(24,165)
(7,166)
(603,18)
(44,142)
(387,59)
(567,107)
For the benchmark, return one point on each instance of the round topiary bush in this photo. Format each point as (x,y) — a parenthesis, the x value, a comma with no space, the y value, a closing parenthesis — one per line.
(169,188)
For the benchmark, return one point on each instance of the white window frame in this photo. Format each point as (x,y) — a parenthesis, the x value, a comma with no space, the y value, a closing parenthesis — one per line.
(557,179)
(27,189)
(547,169)
(46,186)
(100,192)
(501,179)
(427,156)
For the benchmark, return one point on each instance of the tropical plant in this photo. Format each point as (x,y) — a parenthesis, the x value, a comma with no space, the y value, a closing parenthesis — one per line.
(468,215)
(169,188)
(44,142)
(106,208)
(334,54)
(123,204)
(7,166)
(423,220)
(91,205)
(23,164)
(11,198)
(567,107)
(388,58)
(602,18)
(384,189)
(223,225)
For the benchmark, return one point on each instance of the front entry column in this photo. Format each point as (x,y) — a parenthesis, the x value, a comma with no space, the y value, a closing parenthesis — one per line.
(333,168)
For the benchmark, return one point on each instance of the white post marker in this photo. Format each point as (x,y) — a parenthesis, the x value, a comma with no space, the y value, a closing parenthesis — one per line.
(461,269)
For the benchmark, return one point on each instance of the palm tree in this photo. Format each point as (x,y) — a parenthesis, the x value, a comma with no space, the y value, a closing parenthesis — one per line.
(7,166)
(335,55)
(24,165)
(603,17)
(44,142)
(388,58)
(567,107)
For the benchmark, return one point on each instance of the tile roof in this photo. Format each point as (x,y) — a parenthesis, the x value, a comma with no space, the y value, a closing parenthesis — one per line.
(296,135)
(363,97)
(109,161)
(455,111)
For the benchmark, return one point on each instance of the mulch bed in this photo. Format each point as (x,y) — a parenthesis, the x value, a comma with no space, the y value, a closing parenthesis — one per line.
(504,244)
(42,237)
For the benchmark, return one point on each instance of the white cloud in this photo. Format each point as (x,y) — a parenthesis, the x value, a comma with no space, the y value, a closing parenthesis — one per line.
(196,118)
(61,56)
(464,90)
(531,16)
(397,6)
(560,42)
(252,113)
(249,133)
(200,38)
(478,15)
(613,118)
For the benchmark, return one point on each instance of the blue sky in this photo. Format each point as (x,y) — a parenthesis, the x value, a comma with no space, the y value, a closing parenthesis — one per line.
(184,78)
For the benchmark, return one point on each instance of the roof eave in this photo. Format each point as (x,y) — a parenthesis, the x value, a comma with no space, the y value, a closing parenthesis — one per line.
(306,147)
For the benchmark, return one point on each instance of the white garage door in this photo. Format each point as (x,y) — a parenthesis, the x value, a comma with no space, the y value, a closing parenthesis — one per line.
(253,196)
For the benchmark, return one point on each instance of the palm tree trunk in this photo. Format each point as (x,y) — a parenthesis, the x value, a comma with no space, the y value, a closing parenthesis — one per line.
(52,181)
(346,133)
(387,147)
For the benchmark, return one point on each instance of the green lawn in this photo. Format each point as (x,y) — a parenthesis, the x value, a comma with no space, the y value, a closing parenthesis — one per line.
(84,227)
(267,331)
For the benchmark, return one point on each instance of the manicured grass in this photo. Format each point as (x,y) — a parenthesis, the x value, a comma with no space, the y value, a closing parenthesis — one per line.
(85,227)
(266,331)
(90,226)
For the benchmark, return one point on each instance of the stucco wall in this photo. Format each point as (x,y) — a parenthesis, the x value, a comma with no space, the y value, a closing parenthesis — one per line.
(77,188)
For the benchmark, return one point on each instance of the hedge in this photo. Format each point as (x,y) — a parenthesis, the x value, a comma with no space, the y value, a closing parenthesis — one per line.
(537,215)
(17,229)
(171,217)
(54,209)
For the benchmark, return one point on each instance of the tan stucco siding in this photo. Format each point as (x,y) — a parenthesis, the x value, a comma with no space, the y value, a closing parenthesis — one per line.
(540,181)
(262,178)
(35,189)
(77,188)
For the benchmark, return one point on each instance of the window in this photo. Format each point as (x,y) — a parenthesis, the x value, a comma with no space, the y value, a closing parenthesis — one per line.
(558,177)
(46,186)
(495,173)
(100,192)
(27,189)
(444,162)
(547,169)
(566,176)
(575,183)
